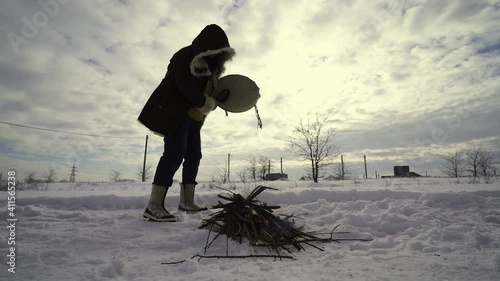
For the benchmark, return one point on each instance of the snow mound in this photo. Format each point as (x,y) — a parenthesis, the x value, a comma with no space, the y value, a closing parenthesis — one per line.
(430,234)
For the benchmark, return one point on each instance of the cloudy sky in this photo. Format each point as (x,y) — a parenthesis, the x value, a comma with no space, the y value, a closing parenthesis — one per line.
(404,80)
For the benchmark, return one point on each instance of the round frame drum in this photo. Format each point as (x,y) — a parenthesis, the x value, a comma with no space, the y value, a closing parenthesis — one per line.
(243,93)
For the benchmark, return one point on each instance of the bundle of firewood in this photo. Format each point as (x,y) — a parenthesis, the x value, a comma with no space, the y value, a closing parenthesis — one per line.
(248,218)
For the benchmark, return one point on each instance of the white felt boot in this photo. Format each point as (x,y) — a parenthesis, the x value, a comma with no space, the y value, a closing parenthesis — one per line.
(155,210)
(186,202)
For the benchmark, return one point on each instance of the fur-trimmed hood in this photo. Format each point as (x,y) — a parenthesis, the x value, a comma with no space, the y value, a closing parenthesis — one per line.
(211,41)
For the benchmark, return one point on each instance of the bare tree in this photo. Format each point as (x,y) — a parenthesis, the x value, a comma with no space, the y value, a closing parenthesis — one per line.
(243,175)
(341,173)
(338,172)
(31,181)
(263,166)
(314,142)
(486,163)
(50,175)
(220,173)
(454,163)
(30,177)
(147,173)
(472,159)
(115,175)
(252,168)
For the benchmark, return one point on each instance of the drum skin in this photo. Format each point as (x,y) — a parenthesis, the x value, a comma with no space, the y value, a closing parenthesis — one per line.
(243,93)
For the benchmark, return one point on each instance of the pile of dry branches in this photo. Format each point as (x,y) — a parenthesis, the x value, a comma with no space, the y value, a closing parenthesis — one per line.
(248,218)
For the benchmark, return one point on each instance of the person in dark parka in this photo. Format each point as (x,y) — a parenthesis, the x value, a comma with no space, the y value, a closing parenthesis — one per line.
(177,110)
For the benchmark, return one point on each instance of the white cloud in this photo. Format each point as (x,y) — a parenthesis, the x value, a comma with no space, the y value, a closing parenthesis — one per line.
(384,67)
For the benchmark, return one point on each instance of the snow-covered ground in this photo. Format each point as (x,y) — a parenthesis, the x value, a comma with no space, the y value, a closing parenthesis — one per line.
(422,229)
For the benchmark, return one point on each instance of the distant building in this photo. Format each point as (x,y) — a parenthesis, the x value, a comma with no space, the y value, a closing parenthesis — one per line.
(403,172)
(276,176)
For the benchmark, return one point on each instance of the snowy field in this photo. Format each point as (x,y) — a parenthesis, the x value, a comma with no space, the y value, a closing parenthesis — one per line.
(422,229)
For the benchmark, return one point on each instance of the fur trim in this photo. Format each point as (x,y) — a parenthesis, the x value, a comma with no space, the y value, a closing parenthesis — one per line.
(208,107)
(199,67)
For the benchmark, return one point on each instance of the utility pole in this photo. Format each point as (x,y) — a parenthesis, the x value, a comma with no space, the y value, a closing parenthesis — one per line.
(366,171)
(144,163)
(228,166)
(269,167)
(72,177)
(281,164)
(342,166)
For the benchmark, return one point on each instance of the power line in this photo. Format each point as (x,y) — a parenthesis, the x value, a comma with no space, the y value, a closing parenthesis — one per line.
(66,132)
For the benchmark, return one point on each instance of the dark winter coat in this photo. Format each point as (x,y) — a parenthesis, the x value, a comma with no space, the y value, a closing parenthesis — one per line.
(187,75)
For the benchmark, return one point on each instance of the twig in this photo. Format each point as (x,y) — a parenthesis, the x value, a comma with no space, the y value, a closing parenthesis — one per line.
(308,240)
(173,262)
(353,239)
(333,230)
(208,237)
(314,246)
(243,257)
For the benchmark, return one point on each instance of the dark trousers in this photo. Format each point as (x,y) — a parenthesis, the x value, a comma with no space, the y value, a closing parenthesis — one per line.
(182,144)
